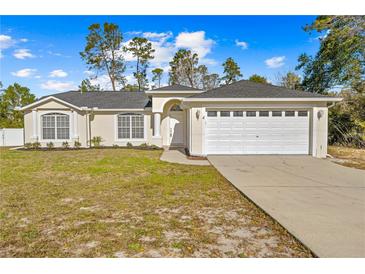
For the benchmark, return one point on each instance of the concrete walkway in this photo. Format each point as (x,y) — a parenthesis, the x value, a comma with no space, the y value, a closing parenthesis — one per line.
(178,157)
(319,202)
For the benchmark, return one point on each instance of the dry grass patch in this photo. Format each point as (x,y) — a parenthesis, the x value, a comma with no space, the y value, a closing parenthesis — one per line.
(350,157)
(128,203)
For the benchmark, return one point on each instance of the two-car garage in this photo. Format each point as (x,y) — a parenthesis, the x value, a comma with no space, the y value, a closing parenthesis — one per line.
(257,131)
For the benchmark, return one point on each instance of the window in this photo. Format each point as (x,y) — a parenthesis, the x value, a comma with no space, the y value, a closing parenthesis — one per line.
(303,113)
(55,126)
(238,113)
(277,113)
(264,113)
(289,113)
(130,126)
(251,113)
(225,113)
(137,127)
(175,108)
(212,114)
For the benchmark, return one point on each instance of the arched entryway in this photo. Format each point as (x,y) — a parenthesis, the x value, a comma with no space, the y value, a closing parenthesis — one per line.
(176,125)
(173,123)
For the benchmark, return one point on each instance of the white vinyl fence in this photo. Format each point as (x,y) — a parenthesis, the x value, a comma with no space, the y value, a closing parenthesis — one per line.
(11,137)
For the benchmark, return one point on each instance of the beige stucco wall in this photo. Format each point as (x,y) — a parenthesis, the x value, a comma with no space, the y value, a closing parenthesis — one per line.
(320,131)
(104,124)
(101,124)
(32,124)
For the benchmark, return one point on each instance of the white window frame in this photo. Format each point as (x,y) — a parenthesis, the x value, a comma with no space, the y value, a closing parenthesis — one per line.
(40,125)
(130,114)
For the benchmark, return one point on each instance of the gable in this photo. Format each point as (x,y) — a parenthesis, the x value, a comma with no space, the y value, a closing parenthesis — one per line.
(52,104)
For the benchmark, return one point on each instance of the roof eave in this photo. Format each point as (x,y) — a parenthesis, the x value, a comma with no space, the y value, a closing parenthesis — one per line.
(47,99)
(156,92)
(302,99)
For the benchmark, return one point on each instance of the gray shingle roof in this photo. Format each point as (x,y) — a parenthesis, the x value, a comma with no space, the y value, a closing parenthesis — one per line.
(176,88)
(105,99)
(249,89)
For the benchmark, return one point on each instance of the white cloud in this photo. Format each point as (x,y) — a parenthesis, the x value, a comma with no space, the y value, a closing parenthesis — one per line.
(165,48)
(23,40)
(59,73)
(195,41)
(157,35)
(275,62)
(23,53)
(38,77)
(241,44)
(58,86)
(88,73)
(6,41)
(23,73)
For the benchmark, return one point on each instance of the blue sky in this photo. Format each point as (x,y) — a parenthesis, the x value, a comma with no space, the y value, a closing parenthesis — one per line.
(42,52)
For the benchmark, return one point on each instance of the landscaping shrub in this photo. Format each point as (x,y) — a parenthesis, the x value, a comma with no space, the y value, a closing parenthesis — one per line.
(65,145)
(96,141)
(144,145)
(77,144)
(129,145)
(28,145)
(36,145)
(50,145)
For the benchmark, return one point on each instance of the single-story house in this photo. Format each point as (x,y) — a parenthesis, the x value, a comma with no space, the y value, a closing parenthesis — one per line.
(241,118)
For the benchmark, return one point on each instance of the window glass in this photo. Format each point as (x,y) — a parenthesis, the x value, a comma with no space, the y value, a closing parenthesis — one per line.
(251,113)
(212,114)
(289,113)
(277,113)
(137,127)
(124,127)
(130,126)
(176,108)
(302,113)
(225,113)
(55,126)
(238,113)
(264,113)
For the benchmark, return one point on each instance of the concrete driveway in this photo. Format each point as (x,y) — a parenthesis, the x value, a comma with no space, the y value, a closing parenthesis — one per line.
(319,202)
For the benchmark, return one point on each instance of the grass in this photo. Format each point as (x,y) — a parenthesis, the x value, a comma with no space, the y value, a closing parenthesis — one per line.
(350,157)
(128,203)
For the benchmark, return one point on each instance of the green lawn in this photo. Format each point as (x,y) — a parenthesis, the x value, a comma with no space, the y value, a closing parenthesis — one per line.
(127,203)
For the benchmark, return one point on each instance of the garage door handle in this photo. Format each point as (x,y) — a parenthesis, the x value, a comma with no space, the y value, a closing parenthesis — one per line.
(257,136)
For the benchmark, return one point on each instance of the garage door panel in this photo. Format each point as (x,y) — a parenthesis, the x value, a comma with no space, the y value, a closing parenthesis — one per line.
(257,135)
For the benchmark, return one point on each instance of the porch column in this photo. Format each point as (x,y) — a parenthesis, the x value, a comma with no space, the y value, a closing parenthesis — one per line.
(156,124)
(34,125)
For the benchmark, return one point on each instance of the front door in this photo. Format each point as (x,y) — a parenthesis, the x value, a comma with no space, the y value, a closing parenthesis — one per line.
(176,129)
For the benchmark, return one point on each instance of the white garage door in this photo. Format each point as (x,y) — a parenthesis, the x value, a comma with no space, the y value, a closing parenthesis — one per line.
(257,132)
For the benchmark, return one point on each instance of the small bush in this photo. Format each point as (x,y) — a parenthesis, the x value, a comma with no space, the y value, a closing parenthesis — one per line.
(154,147)
(77,144)
(129,145)
(65,145)
(115,146)
(96,141)
(36,145)
(28,145)
(50,145)
(144,145)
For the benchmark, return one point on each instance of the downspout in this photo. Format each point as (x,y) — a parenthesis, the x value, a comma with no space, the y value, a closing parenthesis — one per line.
(87,126)
(88,112)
